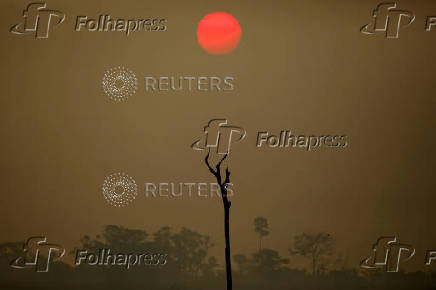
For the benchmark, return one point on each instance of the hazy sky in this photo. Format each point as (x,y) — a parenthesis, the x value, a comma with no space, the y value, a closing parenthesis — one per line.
(301,66)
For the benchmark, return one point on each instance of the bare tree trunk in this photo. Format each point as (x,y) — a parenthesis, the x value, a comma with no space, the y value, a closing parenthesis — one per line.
(226,204)
(227,251)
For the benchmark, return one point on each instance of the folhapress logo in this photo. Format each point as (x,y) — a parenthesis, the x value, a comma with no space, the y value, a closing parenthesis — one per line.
(388,20)
(388,254)
(105,23)
(38,254)
(38,20)
(219,135)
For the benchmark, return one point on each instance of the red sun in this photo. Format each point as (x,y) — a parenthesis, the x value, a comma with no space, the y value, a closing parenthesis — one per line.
(219,33)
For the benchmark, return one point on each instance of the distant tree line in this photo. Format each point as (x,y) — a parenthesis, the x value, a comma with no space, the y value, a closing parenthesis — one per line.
(190,266)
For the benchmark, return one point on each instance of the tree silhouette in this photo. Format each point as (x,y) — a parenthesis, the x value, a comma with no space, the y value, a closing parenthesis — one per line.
(190,250)
(263,270)
(268,260)
(226,203)
(261,228)
(242,262)
(316,246)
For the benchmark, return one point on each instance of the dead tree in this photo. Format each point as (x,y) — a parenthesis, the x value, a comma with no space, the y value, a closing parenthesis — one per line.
(226,203)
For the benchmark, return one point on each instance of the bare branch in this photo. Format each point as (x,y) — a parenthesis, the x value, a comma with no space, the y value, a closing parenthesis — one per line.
(227,181)
(218,169)
(221,161)
(206,160)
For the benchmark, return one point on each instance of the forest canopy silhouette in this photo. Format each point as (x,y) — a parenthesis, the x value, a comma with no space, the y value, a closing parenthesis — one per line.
(190,265)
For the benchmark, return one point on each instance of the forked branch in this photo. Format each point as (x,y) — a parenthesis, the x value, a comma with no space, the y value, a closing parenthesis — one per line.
(217,172)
